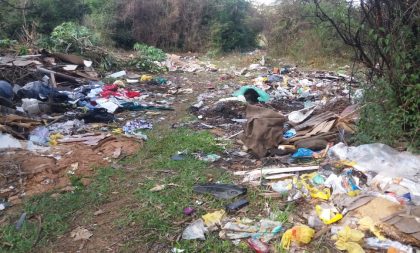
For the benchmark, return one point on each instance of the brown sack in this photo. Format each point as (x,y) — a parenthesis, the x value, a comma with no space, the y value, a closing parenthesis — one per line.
(264,129)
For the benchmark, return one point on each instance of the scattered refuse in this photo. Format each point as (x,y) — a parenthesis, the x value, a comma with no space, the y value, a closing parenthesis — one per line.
(195,230)
(189,211)
(301,234)
(235,206)
(158,188)
(289,132)
(214,218)
(80,233)
(20,222)
(222,191)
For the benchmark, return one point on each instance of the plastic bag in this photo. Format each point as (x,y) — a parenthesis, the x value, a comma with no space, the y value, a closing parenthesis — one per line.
(40,136)
(366,223)
(194,231)
(146,78)
(289,133)
(215,218)
(348,239)
(282,187)
(303,153)
(323,193)
(300,234)
(328,214)
(263,96)
(379,158)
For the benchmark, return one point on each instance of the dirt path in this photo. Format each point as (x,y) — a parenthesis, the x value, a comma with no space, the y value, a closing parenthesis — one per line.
(109,235)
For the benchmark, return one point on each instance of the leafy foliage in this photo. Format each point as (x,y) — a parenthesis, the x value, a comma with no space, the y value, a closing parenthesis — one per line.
(148,58)
(70,37)
(292,30)
(152,53)
(230,30)
(384,36)
(5,43)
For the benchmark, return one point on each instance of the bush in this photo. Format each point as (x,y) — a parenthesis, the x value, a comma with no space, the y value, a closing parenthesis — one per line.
(385,38)
(6,43)
(148,58)
(70,37)
(152,53)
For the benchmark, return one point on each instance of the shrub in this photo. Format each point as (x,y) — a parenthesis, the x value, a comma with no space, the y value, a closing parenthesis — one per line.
(384,36)
(152,53)
(148,58)
(70,37)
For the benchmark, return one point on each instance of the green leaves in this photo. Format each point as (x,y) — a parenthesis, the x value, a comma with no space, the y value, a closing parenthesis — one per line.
(148,57)
(70,37)
(149,52)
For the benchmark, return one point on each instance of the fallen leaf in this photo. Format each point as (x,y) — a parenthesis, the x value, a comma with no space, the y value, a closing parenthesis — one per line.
(80,233)
(99,212)
(157,188)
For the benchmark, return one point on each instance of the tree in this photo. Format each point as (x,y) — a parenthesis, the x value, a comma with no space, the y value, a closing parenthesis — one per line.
(384,35)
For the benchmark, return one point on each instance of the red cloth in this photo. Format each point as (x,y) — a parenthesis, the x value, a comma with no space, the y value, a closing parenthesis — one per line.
(112,90)
(108,93)
(110,87)
(132,94)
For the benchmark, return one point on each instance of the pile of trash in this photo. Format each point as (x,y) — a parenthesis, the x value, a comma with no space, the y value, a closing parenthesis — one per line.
(59,120)
(363,198)
(190,64)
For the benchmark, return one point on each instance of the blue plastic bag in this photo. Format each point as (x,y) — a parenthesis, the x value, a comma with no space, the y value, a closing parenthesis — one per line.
(263,96)
(303,153)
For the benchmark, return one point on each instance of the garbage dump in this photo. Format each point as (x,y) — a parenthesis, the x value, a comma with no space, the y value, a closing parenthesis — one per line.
(291,131)
(59,118)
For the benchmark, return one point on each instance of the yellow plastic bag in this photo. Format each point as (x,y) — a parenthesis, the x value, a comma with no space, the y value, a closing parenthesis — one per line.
(54,139)
(347,239)
(366,223)
(324,194)
(328,215)
(215,218)
(300,234)
(117,131)
(146,78)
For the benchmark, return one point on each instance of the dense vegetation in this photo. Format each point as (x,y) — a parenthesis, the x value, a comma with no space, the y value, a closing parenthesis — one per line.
(384,35)
(196,25)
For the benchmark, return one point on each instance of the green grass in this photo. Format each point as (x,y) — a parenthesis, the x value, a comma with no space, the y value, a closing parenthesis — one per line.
(151,219)
(170,202)
(48,217)
(160,213)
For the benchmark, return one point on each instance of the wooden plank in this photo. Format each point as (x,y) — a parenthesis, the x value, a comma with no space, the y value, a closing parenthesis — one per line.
(328,126)
(315,120)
